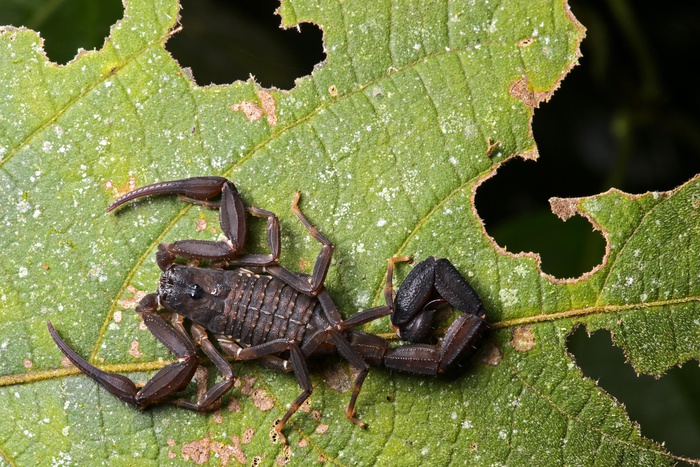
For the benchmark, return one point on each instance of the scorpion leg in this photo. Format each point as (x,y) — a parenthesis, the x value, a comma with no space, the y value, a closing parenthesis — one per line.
(309,285)
(271,361)
(219,389)
(362,349)
(356,347)
(298,363)
(342,345)
(170,379)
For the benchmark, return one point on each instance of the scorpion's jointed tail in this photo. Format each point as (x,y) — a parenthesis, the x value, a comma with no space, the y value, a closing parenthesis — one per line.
(266,312)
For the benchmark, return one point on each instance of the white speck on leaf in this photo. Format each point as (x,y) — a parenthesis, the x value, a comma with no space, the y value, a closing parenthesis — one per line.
(23,206)
(509,297)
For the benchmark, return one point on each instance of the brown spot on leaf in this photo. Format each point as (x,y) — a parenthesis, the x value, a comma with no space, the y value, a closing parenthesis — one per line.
(274,435)
(120,190)
(269,106)
(526,42)
(201,224)
(134,350)
(254,112)
(117,316)
(27,363)
(520,89)
(171,455)
(490,354)
(333,90)
(234,405)
(316,415)
(171,442)
(306,406)
(251,110)
(237,451)
(262,401)
(218,418)
(473,446)
(303,442)
(225,451)
(523,338)
(256,461)
(247,390)
(336,377)
(130,303)
(321,428)
(247,436)
(564,208)
(285,457)
(197,451)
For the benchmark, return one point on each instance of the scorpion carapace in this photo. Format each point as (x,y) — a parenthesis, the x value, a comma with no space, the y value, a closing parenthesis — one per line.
(256,309)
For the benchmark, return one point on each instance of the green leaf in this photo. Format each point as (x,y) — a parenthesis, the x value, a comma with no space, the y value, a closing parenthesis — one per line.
(388,140)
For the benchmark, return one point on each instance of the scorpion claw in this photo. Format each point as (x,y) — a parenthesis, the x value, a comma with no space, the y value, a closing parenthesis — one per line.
(197,188)
(118,385)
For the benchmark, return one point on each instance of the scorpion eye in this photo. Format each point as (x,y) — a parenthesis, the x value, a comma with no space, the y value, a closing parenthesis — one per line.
(196,292)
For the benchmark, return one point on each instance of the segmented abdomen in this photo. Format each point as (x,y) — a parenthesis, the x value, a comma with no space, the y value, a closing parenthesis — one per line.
(261,308)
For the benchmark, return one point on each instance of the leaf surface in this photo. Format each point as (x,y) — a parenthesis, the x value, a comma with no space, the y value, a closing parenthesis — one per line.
(388,141)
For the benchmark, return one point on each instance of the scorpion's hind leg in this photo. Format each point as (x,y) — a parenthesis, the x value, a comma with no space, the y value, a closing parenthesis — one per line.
(168,380)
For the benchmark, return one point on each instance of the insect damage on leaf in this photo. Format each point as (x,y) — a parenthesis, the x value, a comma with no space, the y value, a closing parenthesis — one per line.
(254,111)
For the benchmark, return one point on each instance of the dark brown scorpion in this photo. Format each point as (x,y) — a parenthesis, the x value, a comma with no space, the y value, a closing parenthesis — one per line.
(263,311)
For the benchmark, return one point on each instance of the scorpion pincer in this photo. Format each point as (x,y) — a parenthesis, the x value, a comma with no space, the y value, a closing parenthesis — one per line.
(256,309)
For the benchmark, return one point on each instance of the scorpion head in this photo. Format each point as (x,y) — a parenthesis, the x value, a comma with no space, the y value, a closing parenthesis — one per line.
(195,293)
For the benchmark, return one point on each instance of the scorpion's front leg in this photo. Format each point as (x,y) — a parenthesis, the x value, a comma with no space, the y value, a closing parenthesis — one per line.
(206,402)
(232,219)
(168,380)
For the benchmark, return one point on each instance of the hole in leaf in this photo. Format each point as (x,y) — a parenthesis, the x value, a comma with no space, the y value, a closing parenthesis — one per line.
(523,221)
(223,41)
(667,409)
(626,117)
(67,25)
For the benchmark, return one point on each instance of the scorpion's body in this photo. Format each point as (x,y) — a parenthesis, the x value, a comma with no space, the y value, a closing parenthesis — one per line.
(250,309)
(262,311)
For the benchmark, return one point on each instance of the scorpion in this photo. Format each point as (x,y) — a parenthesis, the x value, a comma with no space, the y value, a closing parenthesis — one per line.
(256,309)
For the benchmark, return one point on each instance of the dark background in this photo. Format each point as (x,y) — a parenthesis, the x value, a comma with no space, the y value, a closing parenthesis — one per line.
(626,117)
